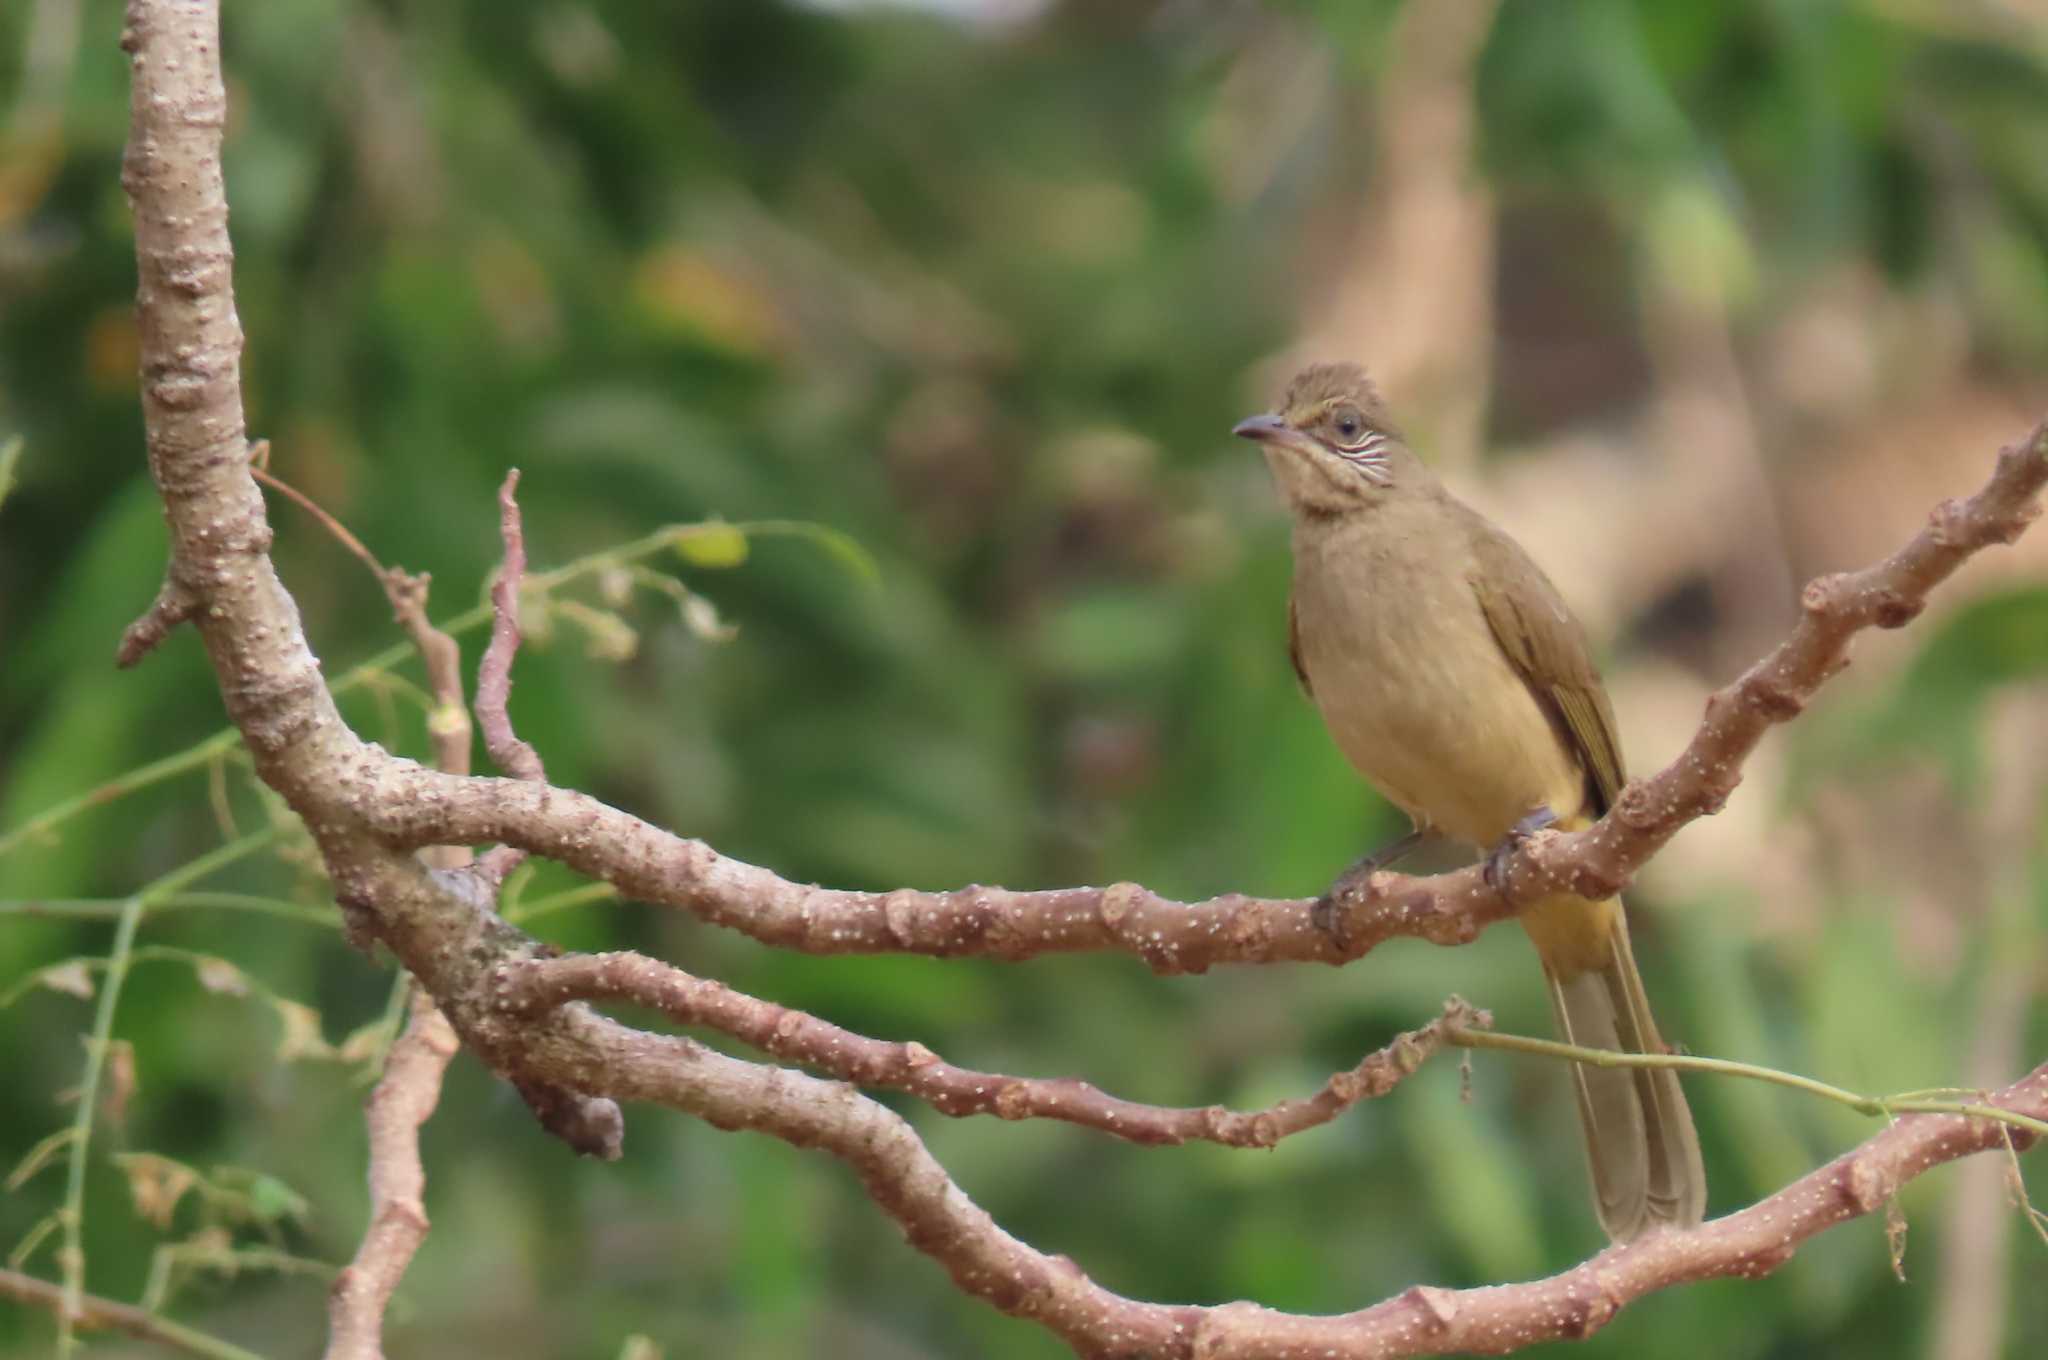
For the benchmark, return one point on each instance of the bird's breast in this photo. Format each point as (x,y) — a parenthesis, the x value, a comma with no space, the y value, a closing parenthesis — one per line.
(1415,690)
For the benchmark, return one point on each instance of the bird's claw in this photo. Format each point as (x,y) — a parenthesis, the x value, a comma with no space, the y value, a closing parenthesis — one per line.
(1327,916)
(1355,884)
(1330,911)
(1496,867)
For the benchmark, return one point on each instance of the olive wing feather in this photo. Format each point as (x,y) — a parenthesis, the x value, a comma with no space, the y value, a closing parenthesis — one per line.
(1548,650)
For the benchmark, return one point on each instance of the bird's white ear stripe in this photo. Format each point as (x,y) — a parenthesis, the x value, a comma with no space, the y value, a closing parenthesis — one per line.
(1370,458)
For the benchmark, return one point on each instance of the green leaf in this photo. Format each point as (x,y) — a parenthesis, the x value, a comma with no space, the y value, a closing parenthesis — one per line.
(841,546)
(271,1200)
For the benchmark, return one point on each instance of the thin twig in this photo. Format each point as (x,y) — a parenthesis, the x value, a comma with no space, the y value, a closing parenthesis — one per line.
(71,1217)
(908,1184)
(494,678)
(93,1313)
(415,1063)
(71,1255)
(259,454)
(543,984)
(1882,1107)
(403,1100)
(515,757)
(42,827)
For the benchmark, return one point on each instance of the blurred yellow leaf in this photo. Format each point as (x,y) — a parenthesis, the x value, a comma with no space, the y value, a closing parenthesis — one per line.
(119,1086)
(10,457)
(365,1043)
(221,977)
(687,290)
(1701,248)
(113,350)
(156,1184)
(28,166)
(71,977)
(301,1037)
(515,293)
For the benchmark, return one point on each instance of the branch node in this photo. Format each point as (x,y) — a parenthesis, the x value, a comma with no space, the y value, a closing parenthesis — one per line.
(174,604)
(1777,701)
(1866,1187)
(1013,1101)
(1119,900)
(1636,808)
(1948,524)
(1821,593)
(1591,1312)
(900,913)
(1440,1306)
(592,1125)
(1892,608)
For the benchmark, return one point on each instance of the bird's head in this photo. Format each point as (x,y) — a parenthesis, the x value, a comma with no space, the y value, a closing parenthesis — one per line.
(1331,445)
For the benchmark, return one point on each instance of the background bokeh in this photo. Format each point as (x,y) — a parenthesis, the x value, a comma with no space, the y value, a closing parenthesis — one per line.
(1698,300)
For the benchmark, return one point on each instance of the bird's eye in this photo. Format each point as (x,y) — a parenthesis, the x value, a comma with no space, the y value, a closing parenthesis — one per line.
(1349,425)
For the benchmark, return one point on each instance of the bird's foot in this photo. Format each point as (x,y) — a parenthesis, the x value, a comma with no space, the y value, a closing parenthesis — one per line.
(1355,884)
(1497,858)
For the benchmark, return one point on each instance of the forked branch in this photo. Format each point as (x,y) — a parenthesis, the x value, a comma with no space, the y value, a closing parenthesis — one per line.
(370,812)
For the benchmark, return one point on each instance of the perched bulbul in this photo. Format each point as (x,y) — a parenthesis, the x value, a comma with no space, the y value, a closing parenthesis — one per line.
(1453,678)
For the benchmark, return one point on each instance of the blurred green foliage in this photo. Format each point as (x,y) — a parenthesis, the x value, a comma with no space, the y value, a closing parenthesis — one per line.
(984,298)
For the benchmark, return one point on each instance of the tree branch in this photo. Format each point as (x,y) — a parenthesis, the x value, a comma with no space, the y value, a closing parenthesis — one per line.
(415,1063)
(403,1100)
(939,1220)
(413,806)
(542,984)
(1599,861)
(369,811)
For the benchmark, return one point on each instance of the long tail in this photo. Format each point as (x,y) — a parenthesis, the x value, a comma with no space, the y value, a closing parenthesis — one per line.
(1640,1141)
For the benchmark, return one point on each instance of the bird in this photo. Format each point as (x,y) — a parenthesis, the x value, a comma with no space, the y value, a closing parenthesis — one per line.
(1453,677)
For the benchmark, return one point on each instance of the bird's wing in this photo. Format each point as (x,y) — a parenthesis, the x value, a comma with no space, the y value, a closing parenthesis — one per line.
(1548,650)
(1294,648)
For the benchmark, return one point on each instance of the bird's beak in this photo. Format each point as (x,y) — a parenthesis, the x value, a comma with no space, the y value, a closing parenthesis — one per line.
(1272,431)
(1261,428)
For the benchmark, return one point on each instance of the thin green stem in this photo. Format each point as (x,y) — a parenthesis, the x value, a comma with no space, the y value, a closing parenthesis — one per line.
(141,777)
(71,1256)
(108,1314)
(193,757)
(387,1027)
(1911,1102)
(109,908)
(522,912)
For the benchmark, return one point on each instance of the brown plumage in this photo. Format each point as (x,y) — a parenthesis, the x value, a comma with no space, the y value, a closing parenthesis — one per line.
(1453,677)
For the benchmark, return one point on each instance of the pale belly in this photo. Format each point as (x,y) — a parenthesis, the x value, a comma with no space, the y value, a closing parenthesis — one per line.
(1419,697)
